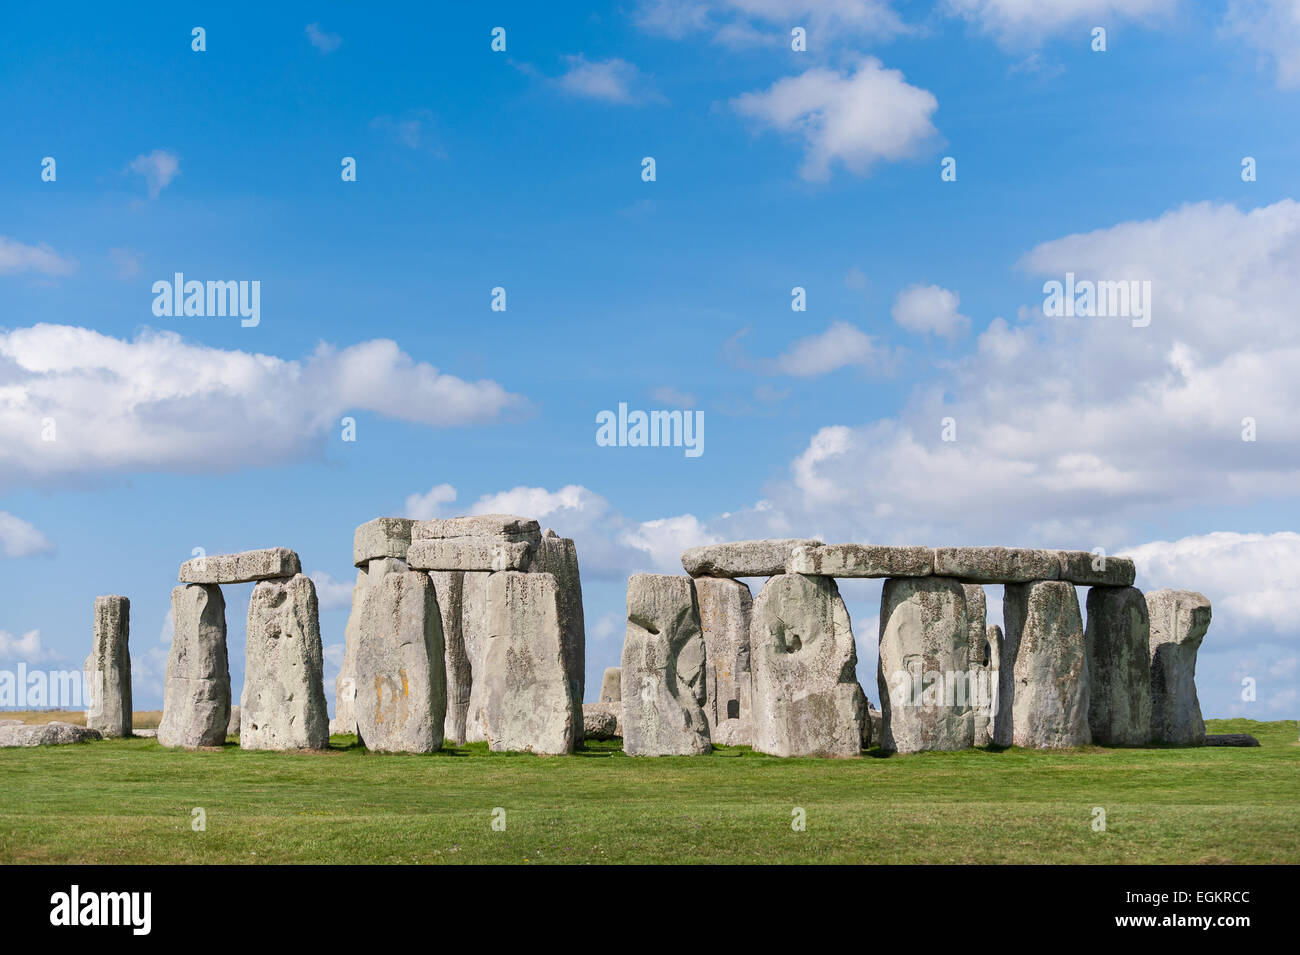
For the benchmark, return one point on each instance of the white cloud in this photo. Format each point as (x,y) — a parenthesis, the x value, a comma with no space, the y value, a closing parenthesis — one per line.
(1273,28)
(27,648)
(663,540)
(160,403)
(16,258)
(855,119)
(158,168)
(331,593)
(841,346)
(325,42)
(20,538)
(613,81)
(425,507)
(768,22)
(929,309)
(1030,22)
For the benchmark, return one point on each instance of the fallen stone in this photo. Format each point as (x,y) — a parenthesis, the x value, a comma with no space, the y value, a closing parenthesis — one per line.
(449,590)
(196,689)
(232,728)
(14,733)
(805,693)
(758,558)
(862,560)
(558,556)
(600,721)
(345,684)
(1044,687)
(1092,570)
(996,565)
(663,672)
(382,537)
(611,686)
(108,668)
(145,734)
(725,609)
(1118,641)
(469,554)
(503,526)
(1179,620)
(245,568)
(1230,739)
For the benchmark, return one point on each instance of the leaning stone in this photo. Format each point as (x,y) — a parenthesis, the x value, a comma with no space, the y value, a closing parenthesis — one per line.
(1092,570)
(245,568)
(108,668)
(1044,685)
(600,721)
(925,665)
(401,685)
(610,686)
(862,560)
(805,693)
(345,684)
(558,556)
(503,526)
(983,678)
(449,589)
(1179,619)
(996,565)
(474,630)
(528,701)
(283,704)
(663,671)
(725,609)
(382,537)
(1118,640)
(1230,739)
(196,690)
(758,558)
(14,733)
(469,554)
(232,728)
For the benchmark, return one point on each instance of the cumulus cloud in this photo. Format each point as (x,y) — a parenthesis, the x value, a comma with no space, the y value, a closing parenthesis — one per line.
(20,538)
(325,42)
(158,168)
(17,258)
(331,593)
(27,648)
(855,119)
(930,310)
(427,506)
(1030,22)
(842,345)
(613,81)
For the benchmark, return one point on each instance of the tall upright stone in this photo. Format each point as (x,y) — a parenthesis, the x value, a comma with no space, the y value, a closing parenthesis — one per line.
(663,672)
(805,694)
(995,641)
(283,704)
(983,675)
(558,556)
(725,610)
(926,636)
(1118,641)
(1044,690)
(611,690)
(401,700)
(474,633)
(108,668)
(196,691)
(345,684)
(449,588)
(1179,620)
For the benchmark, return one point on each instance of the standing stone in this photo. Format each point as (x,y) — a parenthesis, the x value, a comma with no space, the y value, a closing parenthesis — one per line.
(528,703)
(283,704)
(925,661)
(1118,640)
(449,589)
(558,556)
(1179,619)
(983,677)
(108,668)
(474,628)
(806,697)
(232,728)
(345,684)
(611,690)
(1044,691)
(663,673)
(401,687)
(196,692)
(994,639)
(725,609)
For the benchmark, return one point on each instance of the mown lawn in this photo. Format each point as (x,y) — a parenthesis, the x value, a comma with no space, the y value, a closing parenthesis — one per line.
(130,801)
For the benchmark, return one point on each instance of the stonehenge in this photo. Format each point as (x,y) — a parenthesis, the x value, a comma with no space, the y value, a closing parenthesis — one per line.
(725,609)
(196,690)
(1179,619)
(108,668)
(1044,690)
(1118,643)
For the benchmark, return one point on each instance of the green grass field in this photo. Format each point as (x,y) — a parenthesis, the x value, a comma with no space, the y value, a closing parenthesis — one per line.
(131,801)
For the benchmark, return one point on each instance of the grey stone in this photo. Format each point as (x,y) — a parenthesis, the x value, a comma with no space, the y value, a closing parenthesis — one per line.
(1179,620)
(725,609)
(873,728)
(474,631)
(925,665)
(469,554)
(108,668)
(994,640)
(983,675)
(382,537)
(1118,640)
(196,691)
(503,526)
(996,565)
(14,733)
(1230,739)
(601,721)
(663,671)
(449,589)
(145,733)
(558,556)
(232,728)
(611,690)
(1092,570)
(757,558)
(862,560)
(283,704)
(244,568)
(401,702)
(1044,686)
(345,684)
(805,693)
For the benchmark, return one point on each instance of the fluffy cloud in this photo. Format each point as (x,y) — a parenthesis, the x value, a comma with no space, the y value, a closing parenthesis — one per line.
(27,648)
(331,593)
(1273,28)
(17,258)
(930,310)
(20,538)
(1029,22)
(613,81)
(425,507)
(160,403)
(759,22)
(158,168)
(855,119)
(841,346)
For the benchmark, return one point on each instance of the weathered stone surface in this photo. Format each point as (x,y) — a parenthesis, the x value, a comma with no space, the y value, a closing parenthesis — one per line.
(196,691)
(611,690)
(725,610)
(601,721)
(232,728)
(996,565)
(994,640)
(558,556)
(1230,739)
(1044,688)
(148,733)
(873,733)
(758,558)
(14,733)
(449,589)
(1118,641)
(469,554)
(382,537)
(862,560)
(1179,619)
(244,568)
(528,701)
(805,693)
(983,677)
(474,631)
(401,702)
(108,668)
(503,526)
(925,665)
(663,673)
(345,684)
(1092,570)
(283,704)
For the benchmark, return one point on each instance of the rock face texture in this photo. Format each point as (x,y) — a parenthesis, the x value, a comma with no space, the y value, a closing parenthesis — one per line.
(600,721)
(1179,620)
(449,589)
(401,701)
(345,684)
(196,691)
(474,631)
(528,704)
(663,674)
(725,610)
(806,697)
(504,526)
(862,560)
(611,690)
(760,558)
(1231,739)
(382,537)
(1118,641)
(925,665)
(15,733)
(1092,570)
(108,668)
(243,568)
(283,704)
(996,565)
(232,728)
(469,553)
(1044,691)
(558,556)
(983,678)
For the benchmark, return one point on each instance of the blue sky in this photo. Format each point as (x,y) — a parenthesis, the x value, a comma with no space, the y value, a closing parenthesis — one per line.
(775,169)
